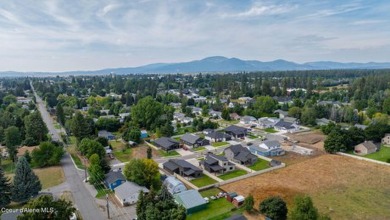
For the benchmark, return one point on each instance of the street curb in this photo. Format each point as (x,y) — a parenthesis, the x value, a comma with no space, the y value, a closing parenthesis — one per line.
(74,164)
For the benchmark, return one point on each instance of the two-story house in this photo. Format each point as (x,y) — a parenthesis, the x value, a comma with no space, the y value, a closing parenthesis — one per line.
(240,154)
(217,164)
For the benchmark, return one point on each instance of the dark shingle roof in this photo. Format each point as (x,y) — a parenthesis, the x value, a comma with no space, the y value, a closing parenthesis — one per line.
(218,135)
(284,124)
(170,165)
(235,129)
(166,142)
(113,176)
(190,138)
(184,164)
(241,153)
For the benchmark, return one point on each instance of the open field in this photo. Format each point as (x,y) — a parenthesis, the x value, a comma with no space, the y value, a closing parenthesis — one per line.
(313,139)
(49,176)
(344,188)
(123,155)
(140,151)
(292,158)
(203,181)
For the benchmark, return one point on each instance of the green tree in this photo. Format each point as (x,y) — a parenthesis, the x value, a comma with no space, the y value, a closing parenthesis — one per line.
(309,116)
(134,134)
(303,209)
(146,111)
(47,154)
(36,129)
(295,112)
(88,147)
(79,126)
(274,207)
(335,141)
(60,114)
(386,106)
(143,172)
(12,139)
(205,110)
(61,209)
(96,173)
(149,153)
(27,156)
(248,203)
(5,190)
(9,99)
(25,183)
(225,114)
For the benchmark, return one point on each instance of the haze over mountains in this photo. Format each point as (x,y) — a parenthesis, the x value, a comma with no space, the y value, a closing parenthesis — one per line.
(213,64)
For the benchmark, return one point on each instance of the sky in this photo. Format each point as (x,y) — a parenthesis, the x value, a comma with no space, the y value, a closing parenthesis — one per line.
(63,35)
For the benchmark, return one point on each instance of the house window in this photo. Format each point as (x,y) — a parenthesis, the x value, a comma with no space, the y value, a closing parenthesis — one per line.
(231,168)
(224,164)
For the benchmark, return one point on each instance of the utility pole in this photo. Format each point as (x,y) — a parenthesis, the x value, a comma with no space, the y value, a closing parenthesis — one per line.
(85,170)
(108,207)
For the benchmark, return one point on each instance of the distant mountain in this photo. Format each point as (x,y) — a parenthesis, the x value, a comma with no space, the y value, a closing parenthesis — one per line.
(215,64)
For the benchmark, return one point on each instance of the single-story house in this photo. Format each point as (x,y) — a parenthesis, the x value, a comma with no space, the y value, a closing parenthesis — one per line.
(174,185)
(283,100)
(208,131)
(365,148)
(215,114)
(167,143)
(386,139)
(236,131)
(114,178)
(267,148)
(285,126)
(248,120)
(266,122)
(217,136)
(108,150)
(322,121)
(196,110)
(106,134)
(182,167)
(282,114)
(234,116)
(128,192)
(193,141)
(240,154)
(191,200)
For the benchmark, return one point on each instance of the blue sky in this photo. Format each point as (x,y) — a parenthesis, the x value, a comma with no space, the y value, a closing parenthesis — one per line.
(60,35)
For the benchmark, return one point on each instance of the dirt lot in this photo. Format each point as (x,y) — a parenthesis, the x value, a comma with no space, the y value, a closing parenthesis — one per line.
(344,188)
(292,158)
(140,152)
(311,139)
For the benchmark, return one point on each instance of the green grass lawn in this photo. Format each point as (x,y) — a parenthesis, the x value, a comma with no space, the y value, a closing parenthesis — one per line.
(8,166)
(163,153)
(270,130)
(219,144)
(198,148)
(214,209)
(232,174)
(210,192)
(57,126)
(203,181)
(102,191)
(251,136)
(259,165)
(382,155)
(117,145)
(77,161)
(123,156)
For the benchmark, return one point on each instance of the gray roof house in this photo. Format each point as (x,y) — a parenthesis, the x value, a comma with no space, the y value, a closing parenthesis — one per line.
(365,148)
(240,154)
(264,123)
(114,178)
(167,143)
(281,113)
(246,120)
(217,164)
(106,134)
(267,148)
(182,167)
(386,139)
(363,127)
(191,200)
(192,140)
(236,131)
(285,126)
(128,192)
(322,121)
(217,136)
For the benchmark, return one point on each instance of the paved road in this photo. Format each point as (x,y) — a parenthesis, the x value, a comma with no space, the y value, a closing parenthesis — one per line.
(85,203)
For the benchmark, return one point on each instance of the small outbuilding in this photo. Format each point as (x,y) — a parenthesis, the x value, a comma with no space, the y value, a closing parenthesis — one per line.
(365,148)
(238,201)
(191,200)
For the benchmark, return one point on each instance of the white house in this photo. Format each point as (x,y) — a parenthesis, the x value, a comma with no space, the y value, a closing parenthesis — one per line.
(267,148)
(174,185)
(127,193)
(248,120)
(265,122)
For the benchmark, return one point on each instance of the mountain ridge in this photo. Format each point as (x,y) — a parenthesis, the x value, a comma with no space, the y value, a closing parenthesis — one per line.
(214,64)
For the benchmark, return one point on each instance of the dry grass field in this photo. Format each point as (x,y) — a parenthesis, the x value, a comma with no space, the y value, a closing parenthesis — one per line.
(311,139)
(49,176)
(344,188)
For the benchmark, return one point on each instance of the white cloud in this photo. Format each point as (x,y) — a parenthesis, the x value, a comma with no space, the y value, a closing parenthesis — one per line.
(262,10)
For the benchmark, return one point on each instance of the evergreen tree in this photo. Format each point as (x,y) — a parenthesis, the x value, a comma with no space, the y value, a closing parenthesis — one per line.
(25,184)
(274,207)
(12,139)
(27,156)
(248,203)
(5,190)
(225,114)
(149,153)
(60,114)
(36,129)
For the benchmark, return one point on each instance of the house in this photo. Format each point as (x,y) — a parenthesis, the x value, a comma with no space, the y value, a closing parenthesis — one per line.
(238,201)
(236,132)
(265,122)
(363,127)
(267,148)
(196,111)
(217,164)
(281,113)
(330,103)
(106,134)
(128,193)
(282,100)
(182,167)
(285,126)
(322,121)
(248,120)
(174,185)
(187,120)
(108,150)
(234,116)
(191,200)
(175,105)
(215,114)
(114,178)
(240,154)
(231,105)
(144,134)
(217,136)
(208,131)
(178,116)
(23,100)
(166,143)
(365,148)
(245,100)
(290,120)
(193,141)
(386,139)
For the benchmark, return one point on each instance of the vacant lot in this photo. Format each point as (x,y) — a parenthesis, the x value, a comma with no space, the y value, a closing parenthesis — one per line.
(312,139)
(344,188)
(140,151)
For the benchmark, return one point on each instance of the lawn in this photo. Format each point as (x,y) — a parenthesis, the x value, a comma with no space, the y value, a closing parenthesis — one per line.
(57,126)
(123,156)
(382,155)
(163,153)
(117,145)
(259,165)
(232,174)
(203,181)
(75,157)
(342,187)
(270,130)
(102,191)
(210,192)
(8,166)
(219,144)
(198,148)
(50,176)
(214,210)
